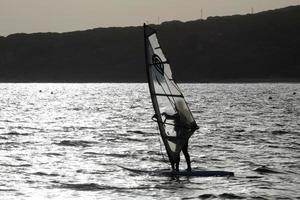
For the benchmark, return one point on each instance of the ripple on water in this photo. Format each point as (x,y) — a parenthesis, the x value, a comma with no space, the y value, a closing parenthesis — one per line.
(144,133)
(96,187)
(206,196)
(84,186)
(280,132)
(16,166)
(116,155)
(45,174)
(230,196)
(53,154)
(76,143)
(266,170)
(15,133)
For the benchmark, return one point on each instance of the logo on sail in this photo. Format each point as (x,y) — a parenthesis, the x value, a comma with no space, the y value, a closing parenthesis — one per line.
(158,64)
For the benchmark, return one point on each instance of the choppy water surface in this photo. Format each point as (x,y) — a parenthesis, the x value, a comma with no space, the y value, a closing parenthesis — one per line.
(66,141)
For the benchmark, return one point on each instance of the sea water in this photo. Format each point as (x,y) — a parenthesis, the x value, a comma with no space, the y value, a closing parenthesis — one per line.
(72,141)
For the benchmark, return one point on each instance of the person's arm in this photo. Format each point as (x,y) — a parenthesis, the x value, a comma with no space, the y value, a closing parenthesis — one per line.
(194,126)
(167,116)
(154,117)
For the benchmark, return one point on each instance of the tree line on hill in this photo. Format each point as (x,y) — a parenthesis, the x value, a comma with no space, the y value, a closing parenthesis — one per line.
(240,48)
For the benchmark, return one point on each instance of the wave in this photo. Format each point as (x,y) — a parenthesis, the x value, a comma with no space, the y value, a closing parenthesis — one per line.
(74,128)
(141,132)
(207,196)
(223,196)
(134,139)
(95,187)
(239,130)
(44,174)
(76,143)
(21,165)
(116,155)
(15,133)
(3,138)
(280,132)
(53,154)
(137,132)
(260,198)
(264,169)
(151,152)
(6,120)
(84,186)
(8,190)
(203,145)
(230,196)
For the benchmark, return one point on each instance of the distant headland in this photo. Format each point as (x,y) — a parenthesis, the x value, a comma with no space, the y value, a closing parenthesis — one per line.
(261,47)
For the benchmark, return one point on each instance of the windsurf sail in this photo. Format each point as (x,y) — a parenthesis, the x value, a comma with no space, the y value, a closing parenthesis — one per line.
(172,114)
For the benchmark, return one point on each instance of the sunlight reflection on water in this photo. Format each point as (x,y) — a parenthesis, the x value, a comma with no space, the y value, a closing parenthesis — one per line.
(65,141)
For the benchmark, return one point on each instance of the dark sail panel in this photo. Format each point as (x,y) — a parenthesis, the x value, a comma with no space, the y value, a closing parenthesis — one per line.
(166,97)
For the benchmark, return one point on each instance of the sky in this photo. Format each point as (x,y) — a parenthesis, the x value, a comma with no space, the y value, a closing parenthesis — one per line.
(29,16)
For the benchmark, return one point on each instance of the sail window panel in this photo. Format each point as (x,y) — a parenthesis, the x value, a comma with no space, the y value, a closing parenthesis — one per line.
(163,89)
(162,84)
(167,71)
(172,146)
(156,47)
(175,147)
(166,106)
(159,53)
(158,79)
(153,41)
(171,87)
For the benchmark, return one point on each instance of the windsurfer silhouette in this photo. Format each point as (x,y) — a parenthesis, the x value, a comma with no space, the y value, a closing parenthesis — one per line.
(184,128)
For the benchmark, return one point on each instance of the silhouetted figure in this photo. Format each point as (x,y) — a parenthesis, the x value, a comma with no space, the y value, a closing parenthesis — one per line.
(184,128)
(178,126)
(270,97)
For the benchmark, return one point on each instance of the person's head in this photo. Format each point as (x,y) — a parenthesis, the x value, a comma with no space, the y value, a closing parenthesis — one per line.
(180,106)
(182,110)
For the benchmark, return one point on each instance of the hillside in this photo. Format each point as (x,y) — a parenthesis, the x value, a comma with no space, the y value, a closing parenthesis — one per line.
(257,47)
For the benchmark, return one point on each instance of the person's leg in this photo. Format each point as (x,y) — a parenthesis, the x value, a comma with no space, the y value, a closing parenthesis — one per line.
(177,161)
(171,161)
(187,156)
(172,165)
